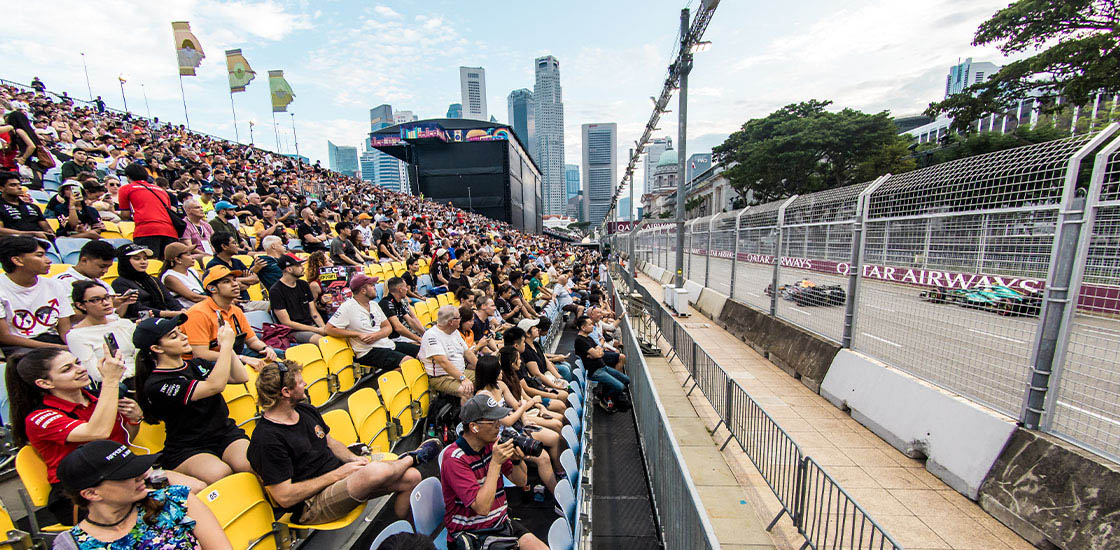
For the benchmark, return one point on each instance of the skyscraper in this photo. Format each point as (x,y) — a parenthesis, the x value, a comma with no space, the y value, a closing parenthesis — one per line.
(625,213)
(520,104)
(571,181)
(472,81)
(342,159)
(400,117)
(548,136)
(963,75)
(455,110)
(600,169)
(653,151)
(381,169)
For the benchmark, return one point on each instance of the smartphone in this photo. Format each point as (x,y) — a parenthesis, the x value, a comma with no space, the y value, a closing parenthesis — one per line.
(111,342)
(131,292)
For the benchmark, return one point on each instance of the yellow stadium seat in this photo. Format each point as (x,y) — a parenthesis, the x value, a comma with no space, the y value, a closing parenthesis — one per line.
(398,268)
(149,439)
(245,259)
(398,402)
(53,222)
(256,293)
(126,228)
(239,503)
(154,267)
(33,473)
(14,538)
(374,270)
(371,419)
(112,235)
(315,373)
(420,308)
(248,425)
(417,380)
(544,279)
(444,299)
(341,425)
(242,406)
(433,307)
(340,362)
(339,523)
(58,269)
(251,385)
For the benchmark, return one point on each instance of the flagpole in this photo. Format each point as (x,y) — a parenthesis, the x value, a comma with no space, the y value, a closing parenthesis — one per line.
(233,107)
(276,130)
(295,139)
(183,94)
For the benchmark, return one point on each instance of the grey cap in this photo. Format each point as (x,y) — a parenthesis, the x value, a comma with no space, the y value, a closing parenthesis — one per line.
(482,407)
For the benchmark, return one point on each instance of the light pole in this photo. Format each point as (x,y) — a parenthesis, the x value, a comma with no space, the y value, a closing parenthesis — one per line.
(252,122)
(86,69)
(685,66)
(123,78)
(146,107)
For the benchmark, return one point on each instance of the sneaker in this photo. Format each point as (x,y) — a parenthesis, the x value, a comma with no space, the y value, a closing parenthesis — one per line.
(426,452)
(605,404)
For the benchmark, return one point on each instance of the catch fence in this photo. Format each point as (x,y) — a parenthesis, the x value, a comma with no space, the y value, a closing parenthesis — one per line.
(996,277)
(820,509)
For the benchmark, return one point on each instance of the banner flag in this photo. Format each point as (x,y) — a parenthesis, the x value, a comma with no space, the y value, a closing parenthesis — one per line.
(281,92)
(240,73)
(187,48)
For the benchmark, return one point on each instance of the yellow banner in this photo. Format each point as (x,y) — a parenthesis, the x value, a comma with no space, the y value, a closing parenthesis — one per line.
(240,73)
(187,48)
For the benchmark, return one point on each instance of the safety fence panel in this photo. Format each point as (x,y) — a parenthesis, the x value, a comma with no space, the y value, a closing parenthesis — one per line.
(697,235)
(1086,407)
(723,236)
(830,518)
(969,331)
(758,248)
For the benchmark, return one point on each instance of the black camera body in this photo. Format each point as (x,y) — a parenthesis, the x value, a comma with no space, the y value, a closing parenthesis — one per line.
(528,445)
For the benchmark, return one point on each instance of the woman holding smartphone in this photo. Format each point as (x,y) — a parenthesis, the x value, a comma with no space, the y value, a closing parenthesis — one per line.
(88,338)
(75,217)
(153,299)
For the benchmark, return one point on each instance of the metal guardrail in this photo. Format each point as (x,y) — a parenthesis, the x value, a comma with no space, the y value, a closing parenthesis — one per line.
(821,510)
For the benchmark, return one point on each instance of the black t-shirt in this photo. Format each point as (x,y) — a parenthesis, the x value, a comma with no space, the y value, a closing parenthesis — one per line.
(20,216)
(440,269)
(410,280)
(503,306)
(455,283)
(340,246)
(190,424)
(296,300)
(86,215)
(298,452)
(479,328)
(583,345)
(394,308)
(303,230)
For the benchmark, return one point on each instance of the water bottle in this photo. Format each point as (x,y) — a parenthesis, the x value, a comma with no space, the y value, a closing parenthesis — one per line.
(538,493)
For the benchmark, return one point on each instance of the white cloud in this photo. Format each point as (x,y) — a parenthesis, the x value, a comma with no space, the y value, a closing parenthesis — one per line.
(386,11)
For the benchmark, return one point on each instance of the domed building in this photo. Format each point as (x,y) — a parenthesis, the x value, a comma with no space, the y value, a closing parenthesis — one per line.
(662,185)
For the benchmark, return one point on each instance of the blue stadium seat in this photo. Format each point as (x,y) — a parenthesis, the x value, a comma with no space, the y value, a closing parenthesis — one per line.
(560,535)
(257,319)
(571,438)
(40,196)
(117,243)
(571,467)
(566,498)
(573,420)
(399,526)
(68,248)
(428,509)
(573,400)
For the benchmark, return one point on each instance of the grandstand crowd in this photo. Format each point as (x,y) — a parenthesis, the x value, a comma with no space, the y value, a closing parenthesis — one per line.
(169,291)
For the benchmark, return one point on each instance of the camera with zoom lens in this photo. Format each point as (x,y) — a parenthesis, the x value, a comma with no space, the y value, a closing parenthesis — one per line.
(528,445)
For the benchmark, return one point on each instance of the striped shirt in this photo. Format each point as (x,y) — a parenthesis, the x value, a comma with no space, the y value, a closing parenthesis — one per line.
(462,475)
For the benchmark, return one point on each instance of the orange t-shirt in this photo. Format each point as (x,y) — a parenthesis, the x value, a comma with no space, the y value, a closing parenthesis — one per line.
(201,327)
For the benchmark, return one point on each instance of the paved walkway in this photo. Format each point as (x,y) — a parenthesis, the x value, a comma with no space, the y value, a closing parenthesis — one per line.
(914,506)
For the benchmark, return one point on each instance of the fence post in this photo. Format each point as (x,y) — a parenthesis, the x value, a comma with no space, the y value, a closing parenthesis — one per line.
(727,406)
(855,266)
(692,369)
(708,253)
(735,252)
(1058,303)
(778,256)
(688,268)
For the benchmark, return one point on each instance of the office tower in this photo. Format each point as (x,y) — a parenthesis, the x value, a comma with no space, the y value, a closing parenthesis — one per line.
(571,181)
(400,117)
(520,107)
(624,213)
(472,81)
(380,117)
(963,75)
(455,110)
(382,169)
(653,151)
(697,164)
(342,159)
(548,135)
(600,169)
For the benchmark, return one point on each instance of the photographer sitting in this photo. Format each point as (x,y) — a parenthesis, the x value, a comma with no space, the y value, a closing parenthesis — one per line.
(472,473)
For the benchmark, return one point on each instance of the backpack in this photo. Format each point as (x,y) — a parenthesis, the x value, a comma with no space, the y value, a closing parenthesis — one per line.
(277,336)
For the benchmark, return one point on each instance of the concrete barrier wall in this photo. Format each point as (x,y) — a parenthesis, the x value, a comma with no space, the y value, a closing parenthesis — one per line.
(1051,491)
(711,303)
(960,439)
(693,289)
(803,355)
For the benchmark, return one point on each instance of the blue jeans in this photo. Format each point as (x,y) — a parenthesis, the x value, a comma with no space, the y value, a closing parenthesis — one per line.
(614,382)
(565,370)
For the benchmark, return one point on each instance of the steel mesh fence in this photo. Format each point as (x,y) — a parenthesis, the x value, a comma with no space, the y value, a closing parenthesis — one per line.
(758,248)
(723,235)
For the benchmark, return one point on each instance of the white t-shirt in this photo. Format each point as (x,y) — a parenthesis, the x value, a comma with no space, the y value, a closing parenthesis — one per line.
(33,311)
(86,344)
(437,342)
(352,316)
(192,281)
(72,276)
(563,298)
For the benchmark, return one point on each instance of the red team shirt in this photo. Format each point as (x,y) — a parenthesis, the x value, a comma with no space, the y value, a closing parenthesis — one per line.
(48,427)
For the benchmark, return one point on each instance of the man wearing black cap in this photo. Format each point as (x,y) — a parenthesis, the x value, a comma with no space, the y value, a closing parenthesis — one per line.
(472,472)
(110,481)
(292,303)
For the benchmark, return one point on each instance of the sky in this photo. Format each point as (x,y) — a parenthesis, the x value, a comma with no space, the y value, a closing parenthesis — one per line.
(342,58)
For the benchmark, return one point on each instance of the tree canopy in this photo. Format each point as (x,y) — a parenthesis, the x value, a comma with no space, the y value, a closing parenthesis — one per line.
(1078,45)
(802,148)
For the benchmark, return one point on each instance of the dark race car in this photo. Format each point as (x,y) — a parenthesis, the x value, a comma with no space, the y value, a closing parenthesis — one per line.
(808,293)
(1000,299)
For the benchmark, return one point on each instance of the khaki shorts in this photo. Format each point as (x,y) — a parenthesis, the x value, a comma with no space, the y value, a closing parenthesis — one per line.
(448,384)
(330,504)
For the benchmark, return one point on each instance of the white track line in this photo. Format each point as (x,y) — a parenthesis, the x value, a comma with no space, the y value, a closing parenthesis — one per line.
(1089,413)
(996,336)
(883,340)
(801,311)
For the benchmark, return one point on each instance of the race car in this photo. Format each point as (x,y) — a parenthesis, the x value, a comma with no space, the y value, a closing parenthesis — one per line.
(808,293)
(1000,299)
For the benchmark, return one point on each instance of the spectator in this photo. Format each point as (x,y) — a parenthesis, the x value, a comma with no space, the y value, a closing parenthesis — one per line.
(411,277)
(440,272)
(152,298)
(611,356)
(308,472)
(540,295)
(104,477)
(185,394)
(360,320)
(268,225)
(553,399)
(612,383)
(310,234)
(466,323)
(315,263)
(406,327)
(148,205)
(385,250)
(446,356)
(205,319)
(36,312)
(343,252)
(292,303)
(225,221)
(198,231)
(94,260)
(86,339)
(556,363)
(471,475)
(564,297)
(180,277)
(364,228)
(75,217)
(270,273)
(19,218)
(536,362)
(226,247)
(458,280)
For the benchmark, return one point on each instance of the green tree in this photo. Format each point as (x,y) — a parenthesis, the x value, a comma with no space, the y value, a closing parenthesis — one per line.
(957,146)
(802,148)
(1078,45)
